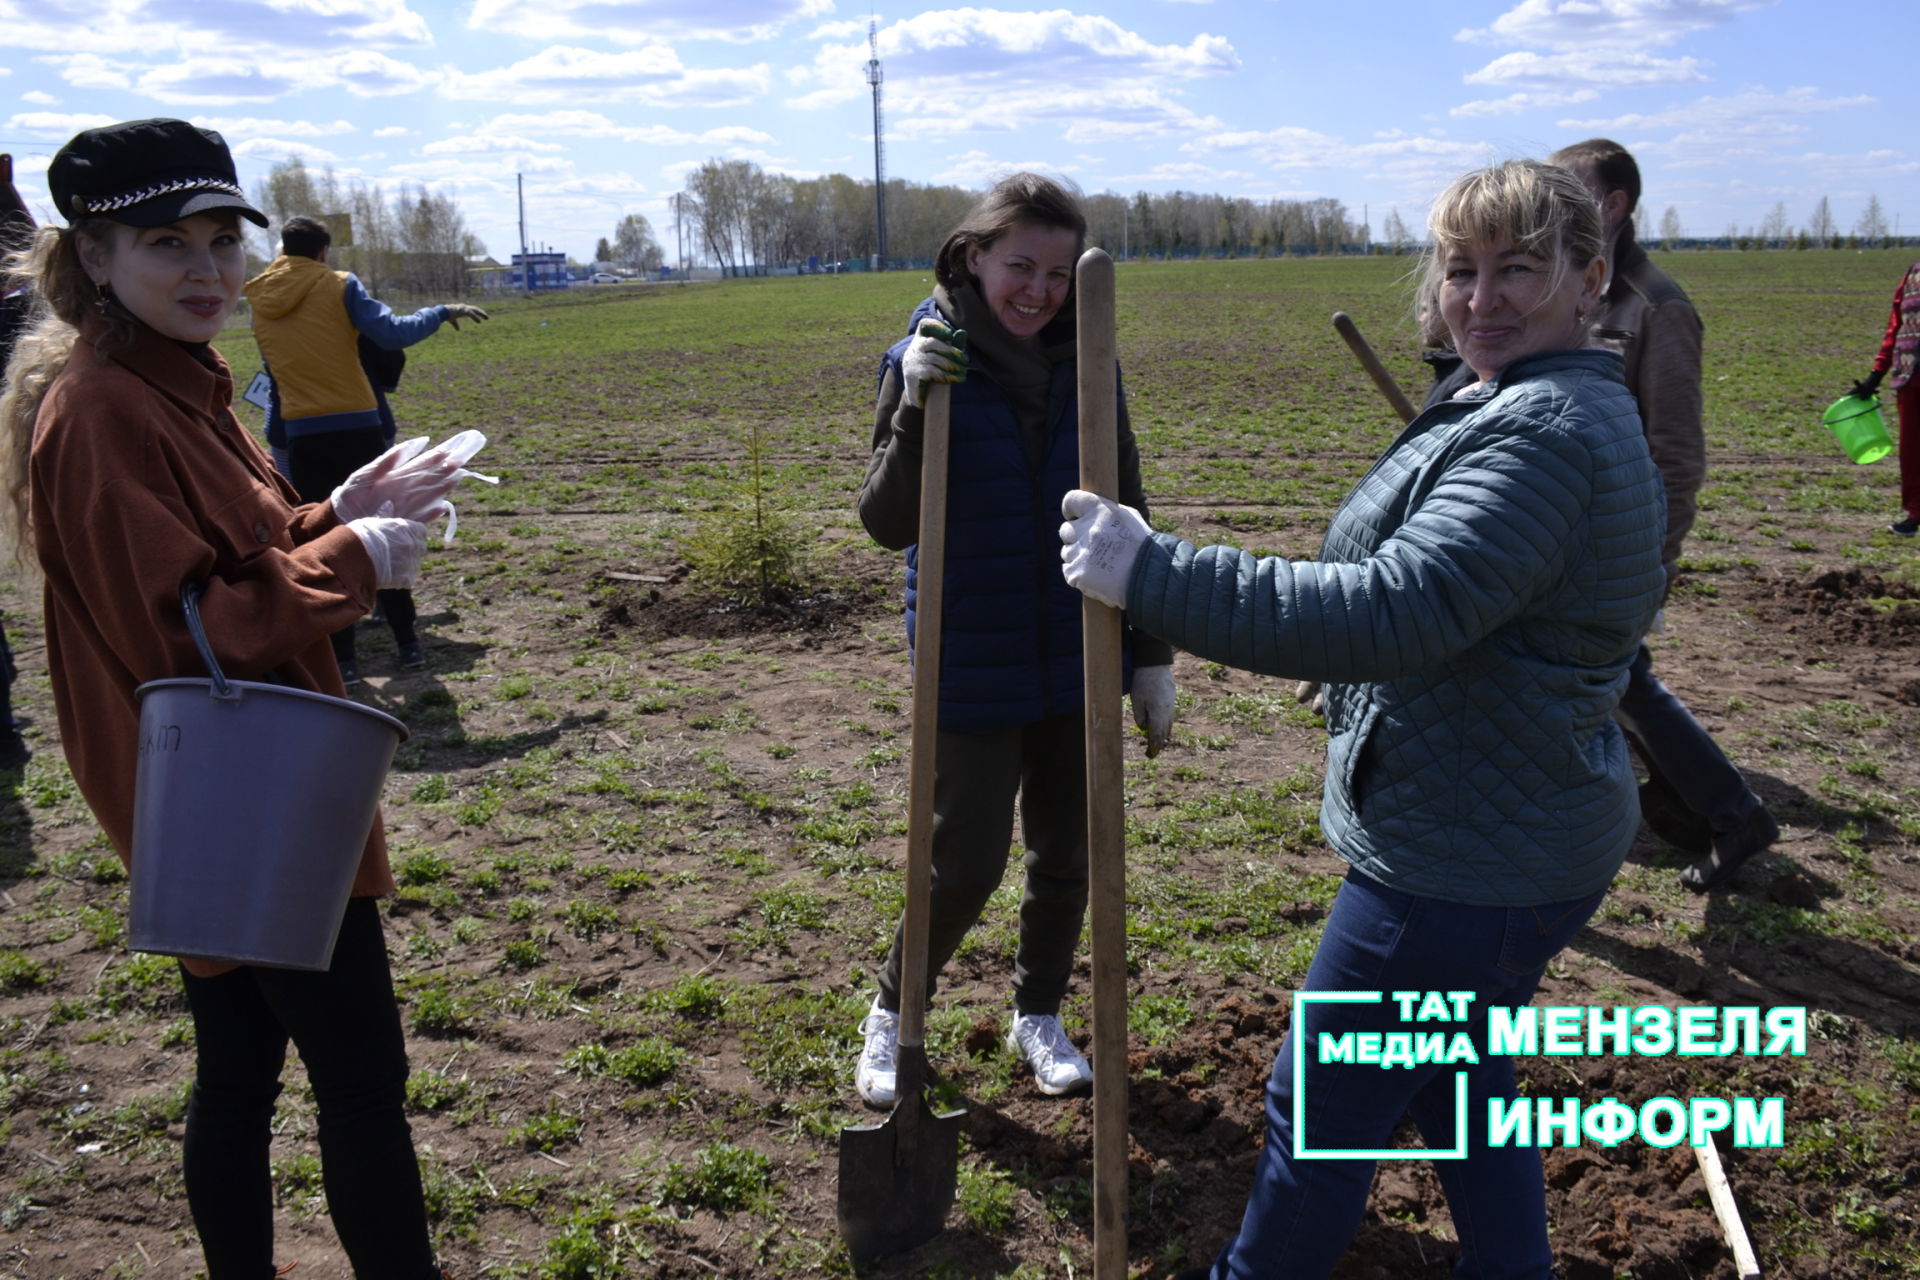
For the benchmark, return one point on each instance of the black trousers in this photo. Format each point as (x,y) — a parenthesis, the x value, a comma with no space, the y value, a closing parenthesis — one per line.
(346,1025)
(975,781)
(317,465)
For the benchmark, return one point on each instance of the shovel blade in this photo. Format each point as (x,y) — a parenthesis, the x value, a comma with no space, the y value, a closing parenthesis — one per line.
(897,1179)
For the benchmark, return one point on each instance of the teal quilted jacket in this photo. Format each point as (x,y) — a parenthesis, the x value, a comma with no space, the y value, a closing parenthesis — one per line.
(1473,611)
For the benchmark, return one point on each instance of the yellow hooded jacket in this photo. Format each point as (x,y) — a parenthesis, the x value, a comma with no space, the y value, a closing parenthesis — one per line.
(309,342)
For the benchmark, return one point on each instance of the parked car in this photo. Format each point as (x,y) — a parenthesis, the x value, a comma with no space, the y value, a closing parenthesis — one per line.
(603,277)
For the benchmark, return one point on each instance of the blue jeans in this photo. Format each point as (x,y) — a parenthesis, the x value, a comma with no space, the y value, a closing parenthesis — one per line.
(1678,750)
(1302,1214)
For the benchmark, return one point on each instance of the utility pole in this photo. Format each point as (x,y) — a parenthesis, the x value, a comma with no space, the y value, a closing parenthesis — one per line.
(526,269)
(874,78)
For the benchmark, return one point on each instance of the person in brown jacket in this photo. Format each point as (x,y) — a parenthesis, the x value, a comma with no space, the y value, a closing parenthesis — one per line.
(1694,798)
(129,473)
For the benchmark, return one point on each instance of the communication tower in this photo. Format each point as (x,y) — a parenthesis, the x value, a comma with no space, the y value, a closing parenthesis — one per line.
(874,77)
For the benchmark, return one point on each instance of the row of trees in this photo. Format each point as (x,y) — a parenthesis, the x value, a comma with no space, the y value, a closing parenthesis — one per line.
(1776,230)
(632,246)
(416,243)
(746,220)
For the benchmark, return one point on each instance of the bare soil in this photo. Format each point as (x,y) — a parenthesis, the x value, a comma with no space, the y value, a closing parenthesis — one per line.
(1758,649)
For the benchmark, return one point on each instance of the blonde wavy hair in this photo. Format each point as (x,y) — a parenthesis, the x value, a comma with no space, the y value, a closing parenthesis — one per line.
(1543,209)
(49,268)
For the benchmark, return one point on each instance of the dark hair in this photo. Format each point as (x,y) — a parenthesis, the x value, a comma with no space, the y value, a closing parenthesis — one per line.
(304,237)
(1610,162)
(16,223)
(1016,198)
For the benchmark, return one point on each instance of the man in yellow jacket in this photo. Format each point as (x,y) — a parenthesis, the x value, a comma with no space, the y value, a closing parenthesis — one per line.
(327,416)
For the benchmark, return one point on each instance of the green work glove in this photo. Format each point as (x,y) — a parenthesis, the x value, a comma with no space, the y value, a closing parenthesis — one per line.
(936,354)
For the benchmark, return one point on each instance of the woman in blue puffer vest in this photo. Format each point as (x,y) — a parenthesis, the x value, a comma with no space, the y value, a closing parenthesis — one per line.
(1473,613)
(1000,328)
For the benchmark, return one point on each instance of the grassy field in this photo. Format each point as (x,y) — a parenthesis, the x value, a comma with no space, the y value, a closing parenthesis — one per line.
(648,840)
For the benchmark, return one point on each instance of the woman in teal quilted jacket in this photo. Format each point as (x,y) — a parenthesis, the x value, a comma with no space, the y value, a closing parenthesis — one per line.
(1473,612)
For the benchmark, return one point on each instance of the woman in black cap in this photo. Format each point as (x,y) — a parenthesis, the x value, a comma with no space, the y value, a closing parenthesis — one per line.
(130,475)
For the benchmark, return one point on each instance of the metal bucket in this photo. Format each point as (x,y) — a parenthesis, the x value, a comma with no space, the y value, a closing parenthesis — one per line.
(252,806)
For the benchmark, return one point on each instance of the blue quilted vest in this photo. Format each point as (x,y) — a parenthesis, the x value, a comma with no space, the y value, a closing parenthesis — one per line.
(1011,643)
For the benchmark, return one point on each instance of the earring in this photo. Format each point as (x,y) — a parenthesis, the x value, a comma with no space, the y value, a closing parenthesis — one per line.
(102,296)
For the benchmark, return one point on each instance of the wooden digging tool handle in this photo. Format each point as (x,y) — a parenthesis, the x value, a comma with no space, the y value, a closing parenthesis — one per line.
(1099,379)
(930,558)
(1724,1208)
(1375,370)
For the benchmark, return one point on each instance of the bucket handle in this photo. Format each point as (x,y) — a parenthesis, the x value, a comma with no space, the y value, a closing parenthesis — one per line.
(190,606)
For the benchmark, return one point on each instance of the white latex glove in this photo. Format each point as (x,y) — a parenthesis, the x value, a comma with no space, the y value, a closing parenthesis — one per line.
(1102,540)
(411,481)
(406,481)
(395,546)
(936,354)
(1153,696)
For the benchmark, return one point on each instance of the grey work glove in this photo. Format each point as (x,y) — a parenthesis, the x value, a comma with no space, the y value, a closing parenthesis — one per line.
(936,354)
(1153,704)
(1101,541)
(396,548)
(458,311)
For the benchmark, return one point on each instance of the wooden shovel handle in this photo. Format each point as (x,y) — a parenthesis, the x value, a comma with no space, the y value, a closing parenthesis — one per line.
(1099,394)
(930,557)
(1375,370)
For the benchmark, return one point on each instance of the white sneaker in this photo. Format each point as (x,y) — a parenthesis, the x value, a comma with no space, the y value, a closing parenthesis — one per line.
(1057,1066)
(874,1076)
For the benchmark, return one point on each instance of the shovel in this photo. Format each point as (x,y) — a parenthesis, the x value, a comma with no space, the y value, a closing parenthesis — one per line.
(1098,373)
(897,1178)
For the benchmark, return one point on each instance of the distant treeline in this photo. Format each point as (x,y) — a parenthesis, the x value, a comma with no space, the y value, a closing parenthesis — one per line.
(416,244)
(744,220)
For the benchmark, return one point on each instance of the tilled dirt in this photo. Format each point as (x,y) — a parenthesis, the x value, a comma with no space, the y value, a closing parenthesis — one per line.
(1806,670)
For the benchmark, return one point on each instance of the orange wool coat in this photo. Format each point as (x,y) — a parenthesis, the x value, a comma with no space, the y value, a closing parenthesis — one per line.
(142,478)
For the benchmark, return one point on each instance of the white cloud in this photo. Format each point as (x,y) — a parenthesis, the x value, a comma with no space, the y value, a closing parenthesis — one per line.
(958,72)
(1416,163)
(367,74)
(252,126)
(1606,68)
(991,47)
(39,98)
(1754,125)
(392,131)
(653,75)
(593,125)
(272,151)
(1086,115)
(1619,24)
(90,71)
(840,30)
(59,125)
(639,22)
(230,79)
(158,28)
(497,144)
(1517,102)
(978,169)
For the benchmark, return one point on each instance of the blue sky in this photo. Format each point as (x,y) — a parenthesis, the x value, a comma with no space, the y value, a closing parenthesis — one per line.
(1731,106)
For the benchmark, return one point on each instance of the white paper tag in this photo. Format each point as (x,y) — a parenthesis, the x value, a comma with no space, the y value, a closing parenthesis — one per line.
(259,392)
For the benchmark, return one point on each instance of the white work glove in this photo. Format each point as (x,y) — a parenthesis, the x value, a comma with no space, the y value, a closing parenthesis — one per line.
(936,354)
(395,546)
(1102,540)
(411,481)
(1153,697)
